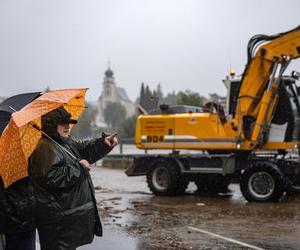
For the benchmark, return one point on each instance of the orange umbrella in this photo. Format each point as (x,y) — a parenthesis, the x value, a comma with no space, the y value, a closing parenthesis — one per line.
(20,137)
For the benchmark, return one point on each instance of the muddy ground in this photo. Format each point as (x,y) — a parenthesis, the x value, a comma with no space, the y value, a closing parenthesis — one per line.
(134,219)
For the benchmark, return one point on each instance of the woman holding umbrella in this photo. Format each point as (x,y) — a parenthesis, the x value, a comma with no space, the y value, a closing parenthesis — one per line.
(16,201)
(66,211)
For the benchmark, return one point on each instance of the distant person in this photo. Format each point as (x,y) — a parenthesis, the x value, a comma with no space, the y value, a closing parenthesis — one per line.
(2,243)
(2,216)
(17,215)
(66,210)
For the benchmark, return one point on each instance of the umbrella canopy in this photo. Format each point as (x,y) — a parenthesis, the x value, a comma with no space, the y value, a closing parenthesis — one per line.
(21,136)
(12,104)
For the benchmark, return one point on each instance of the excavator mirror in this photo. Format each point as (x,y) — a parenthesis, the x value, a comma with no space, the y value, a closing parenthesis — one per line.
(295,74)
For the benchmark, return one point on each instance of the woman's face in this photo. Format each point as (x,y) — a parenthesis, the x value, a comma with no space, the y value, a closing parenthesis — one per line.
(63,130)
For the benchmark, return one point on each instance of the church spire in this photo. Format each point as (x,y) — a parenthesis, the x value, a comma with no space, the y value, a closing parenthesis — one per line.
(109,72)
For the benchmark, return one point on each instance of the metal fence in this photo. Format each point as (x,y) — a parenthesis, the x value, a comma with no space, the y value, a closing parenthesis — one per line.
(127,146)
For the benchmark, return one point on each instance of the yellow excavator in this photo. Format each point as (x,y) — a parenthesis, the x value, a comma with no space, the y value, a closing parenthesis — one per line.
(249,140)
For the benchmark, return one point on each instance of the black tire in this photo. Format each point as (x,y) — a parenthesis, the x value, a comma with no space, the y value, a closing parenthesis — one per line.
(182,185)
(262,182)
(211,184)
(165,179)
(293,189)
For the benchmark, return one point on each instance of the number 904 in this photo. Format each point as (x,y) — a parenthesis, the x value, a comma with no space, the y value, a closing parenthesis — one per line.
(155,138)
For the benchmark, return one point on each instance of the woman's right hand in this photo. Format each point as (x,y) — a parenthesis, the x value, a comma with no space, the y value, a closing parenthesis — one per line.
(84,163)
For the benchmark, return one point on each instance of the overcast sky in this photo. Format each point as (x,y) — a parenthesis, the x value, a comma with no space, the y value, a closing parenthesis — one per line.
(182,44)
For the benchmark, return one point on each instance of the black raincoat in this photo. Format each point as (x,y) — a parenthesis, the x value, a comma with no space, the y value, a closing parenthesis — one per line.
(66,211)
(17,207)
(2,207)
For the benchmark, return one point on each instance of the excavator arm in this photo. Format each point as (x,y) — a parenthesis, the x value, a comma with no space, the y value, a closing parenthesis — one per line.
(268,57)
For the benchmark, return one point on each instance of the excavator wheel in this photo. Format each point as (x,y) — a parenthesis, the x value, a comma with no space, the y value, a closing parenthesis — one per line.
(165,179)
(262,182)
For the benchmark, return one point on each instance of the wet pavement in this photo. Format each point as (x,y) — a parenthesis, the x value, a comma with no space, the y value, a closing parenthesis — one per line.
(134,219)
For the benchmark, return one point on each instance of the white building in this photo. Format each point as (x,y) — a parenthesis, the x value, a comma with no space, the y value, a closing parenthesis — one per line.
(112,94)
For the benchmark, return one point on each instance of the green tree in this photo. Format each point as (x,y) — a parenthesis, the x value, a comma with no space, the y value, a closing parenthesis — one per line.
(159,94)
(148,92)
(114,114)
(170,99)
(189,97)
(142,94)
(142,91)
(85,126)
(127,127)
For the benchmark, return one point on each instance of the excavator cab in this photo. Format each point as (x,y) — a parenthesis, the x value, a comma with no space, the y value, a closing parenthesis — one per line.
(287,112)
(233,85)
(285,123)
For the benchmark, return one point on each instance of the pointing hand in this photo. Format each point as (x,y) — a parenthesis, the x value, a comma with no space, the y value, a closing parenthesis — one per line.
(111,140)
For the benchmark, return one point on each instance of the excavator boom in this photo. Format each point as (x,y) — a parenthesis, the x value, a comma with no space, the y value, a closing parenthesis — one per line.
(258,93)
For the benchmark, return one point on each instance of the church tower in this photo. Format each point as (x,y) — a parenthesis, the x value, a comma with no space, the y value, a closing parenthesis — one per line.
(109,93)
(112,94)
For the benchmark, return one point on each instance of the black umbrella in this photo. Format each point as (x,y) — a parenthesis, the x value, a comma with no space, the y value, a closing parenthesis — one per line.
(12,104)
